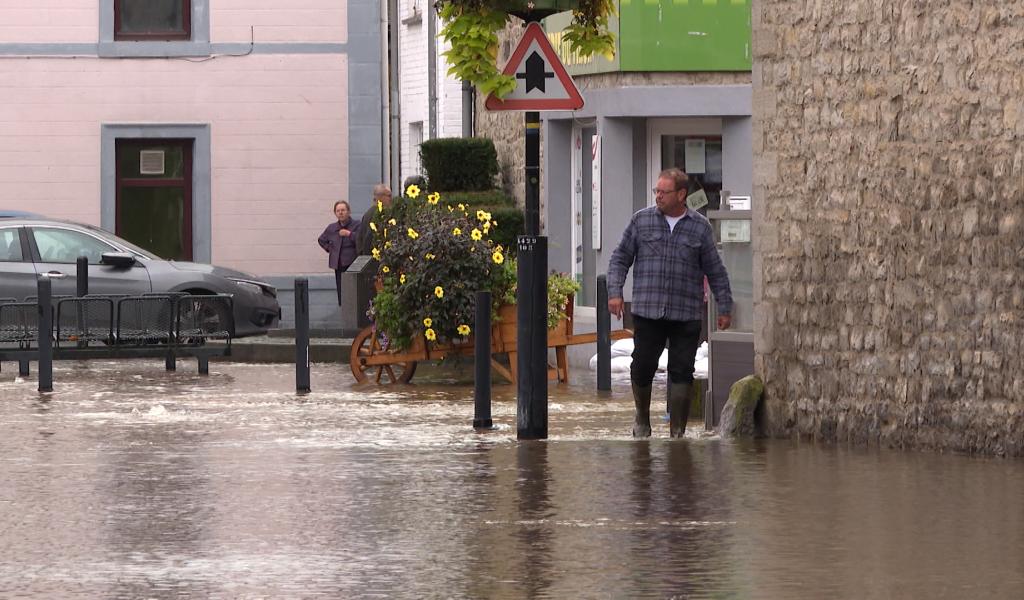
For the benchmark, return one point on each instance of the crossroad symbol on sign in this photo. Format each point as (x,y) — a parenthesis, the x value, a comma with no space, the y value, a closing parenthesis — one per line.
(541,80)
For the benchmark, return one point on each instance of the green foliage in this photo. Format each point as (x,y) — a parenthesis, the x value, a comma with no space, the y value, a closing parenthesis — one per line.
(431,268)
(588,32)
(511,223)
(487,198)
(560,287)
(420,252)
(472,26)
(468,164)
(472,30)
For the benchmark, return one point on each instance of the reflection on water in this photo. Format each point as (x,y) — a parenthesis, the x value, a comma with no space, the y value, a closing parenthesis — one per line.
(131,482)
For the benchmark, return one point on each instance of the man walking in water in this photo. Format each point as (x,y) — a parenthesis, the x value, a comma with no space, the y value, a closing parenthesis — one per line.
(671,249)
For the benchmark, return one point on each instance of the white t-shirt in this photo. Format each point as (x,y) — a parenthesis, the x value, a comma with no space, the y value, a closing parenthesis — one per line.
(672,222)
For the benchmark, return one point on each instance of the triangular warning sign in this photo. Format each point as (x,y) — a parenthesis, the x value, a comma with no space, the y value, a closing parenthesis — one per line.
(541,80)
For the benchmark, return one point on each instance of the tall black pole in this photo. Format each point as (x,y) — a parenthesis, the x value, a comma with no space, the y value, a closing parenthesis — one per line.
(45,307)
(532,300)
(302,335)
(604,336)
(482,364)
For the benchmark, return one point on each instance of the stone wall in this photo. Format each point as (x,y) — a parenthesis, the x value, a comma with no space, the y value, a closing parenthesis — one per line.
(889,188)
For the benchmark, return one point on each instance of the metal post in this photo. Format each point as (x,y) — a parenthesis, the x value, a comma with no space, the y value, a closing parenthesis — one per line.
(45,307)
(532,339)
(302,335)
(531,298)
(604,336)
(82,280)
(204,365)
(482,380)
(532,213)
(82,290)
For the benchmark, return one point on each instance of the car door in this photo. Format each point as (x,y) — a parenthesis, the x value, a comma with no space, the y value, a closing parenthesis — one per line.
(57,249)
(17,273)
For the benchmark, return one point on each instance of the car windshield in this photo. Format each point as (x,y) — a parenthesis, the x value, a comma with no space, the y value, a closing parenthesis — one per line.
(141,253)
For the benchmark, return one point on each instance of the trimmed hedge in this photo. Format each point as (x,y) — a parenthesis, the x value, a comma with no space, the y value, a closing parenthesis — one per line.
(493,198)
(511,224)
(469,164)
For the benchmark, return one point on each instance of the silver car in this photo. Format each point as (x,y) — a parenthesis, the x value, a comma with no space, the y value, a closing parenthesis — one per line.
(32,246)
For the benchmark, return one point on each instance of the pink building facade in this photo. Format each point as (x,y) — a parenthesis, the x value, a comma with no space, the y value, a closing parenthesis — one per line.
(262,114)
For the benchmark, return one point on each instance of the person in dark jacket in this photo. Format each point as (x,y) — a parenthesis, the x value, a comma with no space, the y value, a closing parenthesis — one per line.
(339,241)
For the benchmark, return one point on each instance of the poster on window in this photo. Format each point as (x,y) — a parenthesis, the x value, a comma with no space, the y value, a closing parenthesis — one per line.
(595,191)
(695,156)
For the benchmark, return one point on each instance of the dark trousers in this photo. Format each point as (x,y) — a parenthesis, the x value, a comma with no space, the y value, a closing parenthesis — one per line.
(337,282)
(649,338)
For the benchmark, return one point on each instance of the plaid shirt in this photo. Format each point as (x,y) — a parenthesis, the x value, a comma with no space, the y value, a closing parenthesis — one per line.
(668,267)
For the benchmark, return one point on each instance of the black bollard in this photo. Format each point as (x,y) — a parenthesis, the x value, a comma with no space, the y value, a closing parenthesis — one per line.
(45,307)
(482,351)
(82,290)
(82,281)
(302,335)
(604,336)
(532,338)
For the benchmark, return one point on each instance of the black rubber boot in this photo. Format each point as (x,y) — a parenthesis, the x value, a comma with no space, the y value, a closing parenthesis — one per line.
(679,408)
(642,419)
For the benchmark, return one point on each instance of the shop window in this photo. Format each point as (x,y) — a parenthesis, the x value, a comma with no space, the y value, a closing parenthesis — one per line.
(154,20)
(701,158)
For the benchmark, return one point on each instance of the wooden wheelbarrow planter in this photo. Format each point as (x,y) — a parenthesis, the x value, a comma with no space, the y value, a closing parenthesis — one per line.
(371,362)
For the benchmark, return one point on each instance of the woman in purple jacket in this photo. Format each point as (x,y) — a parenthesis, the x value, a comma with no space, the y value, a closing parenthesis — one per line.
(339,241)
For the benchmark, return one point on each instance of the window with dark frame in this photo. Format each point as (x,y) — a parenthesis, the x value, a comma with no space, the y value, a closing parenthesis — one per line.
(153,20)
(154,195)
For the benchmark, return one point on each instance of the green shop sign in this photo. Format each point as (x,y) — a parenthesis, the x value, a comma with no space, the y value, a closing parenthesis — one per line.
(667,35)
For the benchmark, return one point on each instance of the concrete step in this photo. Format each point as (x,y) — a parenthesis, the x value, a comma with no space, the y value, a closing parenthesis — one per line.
(281,349)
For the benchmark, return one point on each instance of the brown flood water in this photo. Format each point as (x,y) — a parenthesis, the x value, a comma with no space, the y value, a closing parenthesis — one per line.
(130,482)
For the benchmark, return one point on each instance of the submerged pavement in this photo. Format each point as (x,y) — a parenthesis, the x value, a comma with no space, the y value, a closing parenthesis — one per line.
(129,482)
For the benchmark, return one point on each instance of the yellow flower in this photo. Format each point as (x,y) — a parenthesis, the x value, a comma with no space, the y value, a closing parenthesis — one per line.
(430,256)
(456,231)
(451,209)
(387,245)
(487,227)
(392,222)
(373,226)
(385,269)
(430,334)
(475,234)
(463,329)
(428,322)
(439,292)
(402,279)
(498,257)
(434,198)
(376,254)
(462,206)
(412,233)
(413,191)
(380,206)
(483,216)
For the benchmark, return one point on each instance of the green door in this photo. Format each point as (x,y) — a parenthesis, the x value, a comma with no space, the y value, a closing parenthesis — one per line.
(154,196)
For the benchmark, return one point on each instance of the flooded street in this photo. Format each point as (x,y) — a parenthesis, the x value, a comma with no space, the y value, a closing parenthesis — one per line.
(131,482)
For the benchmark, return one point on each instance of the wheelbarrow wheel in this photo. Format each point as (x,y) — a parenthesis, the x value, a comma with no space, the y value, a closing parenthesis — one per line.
(368,344)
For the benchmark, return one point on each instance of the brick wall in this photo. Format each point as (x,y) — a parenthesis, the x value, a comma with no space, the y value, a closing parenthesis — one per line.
(889,188)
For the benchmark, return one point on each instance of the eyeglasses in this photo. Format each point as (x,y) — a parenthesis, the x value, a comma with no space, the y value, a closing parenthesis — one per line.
(658,192)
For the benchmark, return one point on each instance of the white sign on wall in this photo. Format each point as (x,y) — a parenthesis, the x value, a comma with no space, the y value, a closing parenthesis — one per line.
(595,191)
